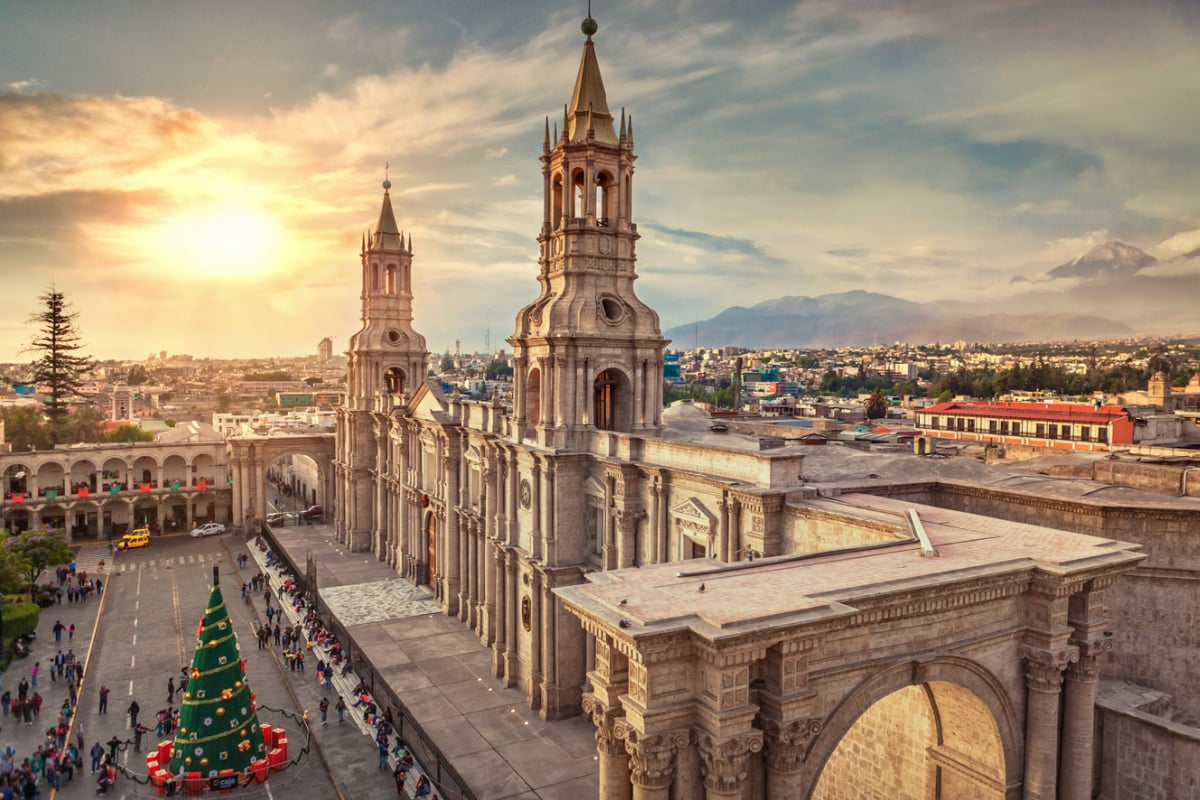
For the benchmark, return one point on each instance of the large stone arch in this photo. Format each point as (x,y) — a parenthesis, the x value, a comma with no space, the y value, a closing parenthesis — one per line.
(250,457)
(953,685)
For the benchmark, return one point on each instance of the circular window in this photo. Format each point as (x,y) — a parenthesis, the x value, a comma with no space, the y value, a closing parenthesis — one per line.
(612,309)
(393,335)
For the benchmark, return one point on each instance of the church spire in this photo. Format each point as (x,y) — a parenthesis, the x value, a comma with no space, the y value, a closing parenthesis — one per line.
(387,233)
(589,106)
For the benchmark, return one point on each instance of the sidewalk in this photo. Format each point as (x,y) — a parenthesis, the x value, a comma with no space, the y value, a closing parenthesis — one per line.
(437,667)
(85,616)
(349,749)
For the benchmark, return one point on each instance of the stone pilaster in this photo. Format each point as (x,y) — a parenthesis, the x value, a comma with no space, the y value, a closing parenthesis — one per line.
(1078,725)
(652,760)
(613,756)
(724,763)
(786,748)
(1043,682)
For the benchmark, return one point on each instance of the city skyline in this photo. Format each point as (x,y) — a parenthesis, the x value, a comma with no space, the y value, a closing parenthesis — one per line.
(201,181)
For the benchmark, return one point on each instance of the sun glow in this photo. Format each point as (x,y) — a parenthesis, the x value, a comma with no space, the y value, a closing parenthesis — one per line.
(224,242)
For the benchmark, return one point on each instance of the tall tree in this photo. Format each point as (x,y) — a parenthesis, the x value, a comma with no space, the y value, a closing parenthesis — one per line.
(876,405)
(39,550)
(60,364)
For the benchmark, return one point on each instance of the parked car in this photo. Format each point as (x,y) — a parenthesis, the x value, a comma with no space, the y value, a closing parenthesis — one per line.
(277,518)
(312,513)
(208,529)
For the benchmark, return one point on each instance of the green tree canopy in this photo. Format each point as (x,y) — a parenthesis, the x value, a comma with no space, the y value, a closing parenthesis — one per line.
(59,362)
(39,550)
(129,433)
(137,375)
(25,428)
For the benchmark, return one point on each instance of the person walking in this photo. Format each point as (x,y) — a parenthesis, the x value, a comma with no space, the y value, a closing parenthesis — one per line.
(71,632)
(58,630)
(383,753)
(134,708)
(103,701)
(400,776)
(170,690)
(37,665)
(340,708)
(323,707)
(97,753)
(138,731)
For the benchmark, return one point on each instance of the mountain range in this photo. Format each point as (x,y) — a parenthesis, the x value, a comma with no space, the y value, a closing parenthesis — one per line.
(1125,291)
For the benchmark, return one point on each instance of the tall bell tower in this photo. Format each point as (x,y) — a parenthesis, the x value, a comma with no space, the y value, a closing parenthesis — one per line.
(386,360)
(588,353)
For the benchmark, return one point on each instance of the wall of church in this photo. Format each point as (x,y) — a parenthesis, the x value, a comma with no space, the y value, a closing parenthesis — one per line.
(809,530)
(884,756)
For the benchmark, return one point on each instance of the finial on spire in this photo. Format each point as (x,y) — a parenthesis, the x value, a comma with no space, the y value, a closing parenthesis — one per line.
(589,26)
(387,184)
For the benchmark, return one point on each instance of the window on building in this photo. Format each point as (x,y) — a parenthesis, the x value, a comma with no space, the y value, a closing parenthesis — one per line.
(1041,430)
(1085,433)
(1102,435)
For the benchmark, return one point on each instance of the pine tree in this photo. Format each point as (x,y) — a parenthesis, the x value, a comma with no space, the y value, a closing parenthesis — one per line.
(60,364)
(218,725)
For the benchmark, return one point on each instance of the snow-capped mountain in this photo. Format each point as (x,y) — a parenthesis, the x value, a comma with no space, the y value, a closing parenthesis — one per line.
(1111,259)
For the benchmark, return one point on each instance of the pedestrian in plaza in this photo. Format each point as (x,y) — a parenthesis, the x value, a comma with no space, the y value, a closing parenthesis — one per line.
(72,694)
(400,776)
(383,753)
(138,731)
(97,753)
(113,744)
(277,634)
(134,708)
(23,689)
(323,707)
(5,701)
(71,632)
(37,665)
(340,708)
(58,630)
(170,690)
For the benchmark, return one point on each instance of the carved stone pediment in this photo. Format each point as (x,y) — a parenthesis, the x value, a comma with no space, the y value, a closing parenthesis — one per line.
(593,487)
(694,520)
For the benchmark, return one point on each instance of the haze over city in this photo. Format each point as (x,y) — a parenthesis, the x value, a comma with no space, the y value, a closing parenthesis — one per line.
(197,177)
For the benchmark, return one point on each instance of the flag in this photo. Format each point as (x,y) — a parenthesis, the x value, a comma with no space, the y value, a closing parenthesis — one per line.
(202,483)
(51,494)
(145,487)
(18,497)
(82,491)
(114,488)
(174,485)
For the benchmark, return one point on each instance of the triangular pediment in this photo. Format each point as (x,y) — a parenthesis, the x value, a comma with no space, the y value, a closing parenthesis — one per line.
(428,403)
(691,509)
(593,487)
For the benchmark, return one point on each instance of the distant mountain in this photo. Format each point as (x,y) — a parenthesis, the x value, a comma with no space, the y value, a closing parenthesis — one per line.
(860,317)
(1111,259)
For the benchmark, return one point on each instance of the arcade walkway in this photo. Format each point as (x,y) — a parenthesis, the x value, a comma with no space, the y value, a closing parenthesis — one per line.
(439,670)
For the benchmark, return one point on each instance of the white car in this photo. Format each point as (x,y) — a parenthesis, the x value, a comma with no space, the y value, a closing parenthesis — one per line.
(208,529)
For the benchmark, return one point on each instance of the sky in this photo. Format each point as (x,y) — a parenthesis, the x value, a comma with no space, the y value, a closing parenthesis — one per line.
(197,177)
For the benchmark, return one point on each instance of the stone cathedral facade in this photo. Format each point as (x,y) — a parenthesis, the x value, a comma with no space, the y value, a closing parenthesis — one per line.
(494,507)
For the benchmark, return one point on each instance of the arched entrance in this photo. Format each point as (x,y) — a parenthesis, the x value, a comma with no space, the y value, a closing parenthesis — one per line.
(430,547)
(936,740)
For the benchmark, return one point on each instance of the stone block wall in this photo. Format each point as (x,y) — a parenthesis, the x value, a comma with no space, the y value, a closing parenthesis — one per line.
(1146,757)
(883,757)
(1160,478)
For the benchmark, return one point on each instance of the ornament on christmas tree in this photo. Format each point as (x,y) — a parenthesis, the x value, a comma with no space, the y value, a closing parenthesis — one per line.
(217,671)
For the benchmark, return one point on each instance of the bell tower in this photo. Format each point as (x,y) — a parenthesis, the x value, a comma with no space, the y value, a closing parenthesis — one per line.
(385,362)
(588,353)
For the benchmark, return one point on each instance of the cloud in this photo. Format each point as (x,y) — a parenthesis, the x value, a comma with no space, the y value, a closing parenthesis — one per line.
(1182,242)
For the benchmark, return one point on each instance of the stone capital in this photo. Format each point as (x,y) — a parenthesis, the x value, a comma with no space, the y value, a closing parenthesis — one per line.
(652,757)
(605,719)
(724,760)
(1044,668)
(786,744)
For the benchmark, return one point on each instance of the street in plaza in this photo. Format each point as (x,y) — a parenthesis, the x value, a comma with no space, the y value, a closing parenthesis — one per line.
(152,602)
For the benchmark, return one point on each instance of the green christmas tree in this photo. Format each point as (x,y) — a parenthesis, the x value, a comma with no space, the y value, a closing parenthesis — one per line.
(218,726)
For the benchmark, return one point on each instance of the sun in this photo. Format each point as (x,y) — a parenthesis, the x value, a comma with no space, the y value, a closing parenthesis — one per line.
(224,242)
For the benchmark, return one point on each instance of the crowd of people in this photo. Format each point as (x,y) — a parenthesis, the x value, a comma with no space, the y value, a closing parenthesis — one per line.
(309,634)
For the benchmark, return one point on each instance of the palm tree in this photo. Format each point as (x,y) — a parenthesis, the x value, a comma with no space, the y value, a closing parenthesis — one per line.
(876,405)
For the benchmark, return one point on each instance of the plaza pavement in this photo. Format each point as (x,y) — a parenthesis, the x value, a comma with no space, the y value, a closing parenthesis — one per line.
(441,673)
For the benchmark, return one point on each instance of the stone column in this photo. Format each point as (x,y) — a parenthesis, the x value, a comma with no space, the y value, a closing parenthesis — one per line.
(614,760)
(786,747)
(652,761)
(472,576)
(549,641)
(1078,728)
(452,582)
(627,522)
(724,763)
(512,584)
(537,643)
(239,507)
(500,617)
(1043,683)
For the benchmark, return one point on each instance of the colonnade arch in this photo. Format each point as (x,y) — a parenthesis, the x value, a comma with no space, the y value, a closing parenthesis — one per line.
(250,458)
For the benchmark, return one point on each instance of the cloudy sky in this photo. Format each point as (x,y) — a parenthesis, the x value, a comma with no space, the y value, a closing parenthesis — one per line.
(197,176)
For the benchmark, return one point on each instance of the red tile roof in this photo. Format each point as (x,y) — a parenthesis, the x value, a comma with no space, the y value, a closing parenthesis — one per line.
(1041,412)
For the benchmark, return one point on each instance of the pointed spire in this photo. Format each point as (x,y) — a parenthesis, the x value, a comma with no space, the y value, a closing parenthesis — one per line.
(546,137)
(622,123)
(630,143)
(589,96)
(566,122)
(387,235)
(555,132)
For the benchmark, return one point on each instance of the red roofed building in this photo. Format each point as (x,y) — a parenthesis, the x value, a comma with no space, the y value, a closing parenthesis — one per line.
(1069,426)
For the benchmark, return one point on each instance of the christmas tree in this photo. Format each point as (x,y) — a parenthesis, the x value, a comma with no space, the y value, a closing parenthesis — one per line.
(218,727)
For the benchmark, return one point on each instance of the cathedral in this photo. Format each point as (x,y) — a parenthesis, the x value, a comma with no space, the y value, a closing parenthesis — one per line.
(733,626)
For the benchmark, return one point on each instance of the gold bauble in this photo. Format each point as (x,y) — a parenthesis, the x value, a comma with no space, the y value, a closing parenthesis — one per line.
(212,642)
(237,684)
(187,695)
(187,760)
(183,731)
(204,762)
(221,711)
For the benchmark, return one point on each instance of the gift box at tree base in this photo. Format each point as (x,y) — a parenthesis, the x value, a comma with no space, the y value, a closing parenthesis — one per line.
(219,741)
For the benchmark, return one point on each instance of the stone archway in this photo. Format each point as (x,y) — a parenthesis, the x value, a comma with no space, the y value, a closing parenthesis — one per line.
(250,457)
(935,730)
